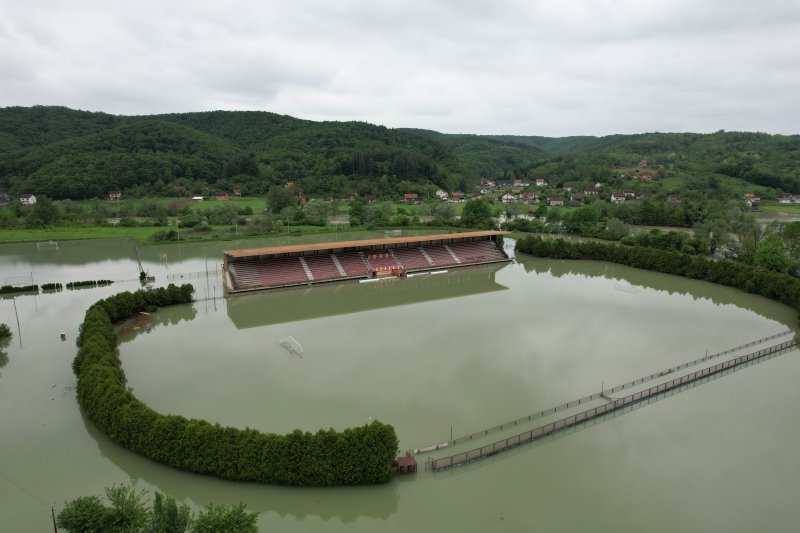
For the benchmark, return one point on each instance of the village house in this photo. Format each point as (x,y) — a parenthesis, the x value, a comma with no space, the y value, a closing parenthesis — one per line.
(598,185)
(114,196)
(674,198)
(567,186)
(222,197)
(540,182)
(786,199)
(458,197)
(617,197)
(529,197)
(555,200)
(576,199)
(411,198)
(27,199)
(643,163)
(237,191)
(645,177)
(491,184)
(507,198)
(371,199)
(629,194)
(441,194)
(5,200)
(750,199)
(288,185)
(518,184)
(590,192)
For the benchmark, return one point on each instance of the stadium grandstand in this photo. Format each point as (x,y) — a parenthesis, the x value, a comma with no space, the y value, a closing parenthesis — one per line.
(287,266)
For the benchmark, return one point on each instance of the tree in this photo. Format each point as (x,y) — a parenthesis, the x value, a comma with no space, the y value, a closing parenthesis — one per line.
(477,214)
(771,255)
(279,198)
(85,514)
(231,519)
(168,516)
(5,331)
(44,212)
(128,511)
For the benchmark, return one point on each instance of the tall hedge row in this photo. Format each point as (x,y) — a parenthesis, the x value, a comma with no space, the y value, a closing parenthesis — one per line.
(779,287)
(355,456)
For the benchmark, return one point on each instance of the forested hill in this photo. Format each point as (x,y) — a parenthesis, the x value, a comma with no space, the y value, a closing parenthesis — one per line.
(64,153)
(759,158)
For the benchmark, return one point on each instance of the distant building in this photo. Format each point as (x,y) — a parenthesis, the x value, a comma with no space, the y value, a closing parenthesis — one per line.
(576,199)
(114,196)
(567,187)
(288,185)
(540,182)
(643,163)
(617,197)
(785,199)
(197,198)
(529,197)
(457,197)
(441,194)
(237,191)
(675,199)
(507,198)
(490,184)
(629,194)
(750,199)
(555,200)
(27,199)
(411,198)
(590,192)
(223,197)
(371,199)
(645,177)
(4,199)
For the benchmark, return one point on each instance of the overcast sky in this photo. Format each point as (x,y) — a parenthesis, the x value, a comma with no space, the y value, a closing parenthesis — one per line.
(554,67)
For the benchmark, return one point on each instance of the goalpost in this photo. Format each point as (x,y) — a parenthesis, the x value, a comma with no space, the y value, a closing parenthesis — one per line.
(291,345)
(46,246)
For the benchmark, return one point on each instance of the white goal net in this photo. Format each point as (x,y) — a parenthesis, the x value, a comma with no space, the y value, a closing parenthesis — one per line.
(291,345)
(45,246)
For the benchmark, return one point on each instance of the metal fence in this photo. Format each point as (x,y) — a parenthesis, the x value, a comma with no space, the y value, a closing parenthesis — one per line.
(605,392)
(590,414)
(193,275)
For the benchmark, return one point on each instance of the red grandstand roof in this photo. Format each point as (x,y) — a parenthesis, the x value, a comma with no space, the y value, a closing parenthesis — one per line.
(322,246)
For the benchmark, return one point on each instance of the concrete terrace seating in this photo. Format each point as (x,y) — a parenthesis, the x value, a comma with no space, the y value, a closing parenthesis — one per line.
(411,258)
(353,264)
(440,255)
(272,273)
(381,260)
(322,267)
(477,252)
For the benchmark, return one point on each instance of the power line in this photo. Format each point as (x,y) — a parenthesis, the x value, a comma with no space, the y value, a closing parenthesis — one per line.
(22,489)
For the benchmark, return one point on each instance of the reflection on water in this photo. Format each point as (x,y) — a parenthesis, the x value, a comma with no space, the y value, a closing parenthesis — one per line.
(378,502)
(279,306)
(718,294)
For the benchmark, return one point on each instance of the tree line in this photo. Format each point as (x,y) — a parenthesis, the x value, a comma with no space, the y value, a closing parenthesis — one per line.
(355,456)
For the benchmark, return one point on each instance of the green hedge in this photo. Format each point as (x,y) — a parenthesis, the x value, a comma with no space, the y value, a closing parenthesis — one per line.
(355,456)
(89,283)
(8,289)
(773,285)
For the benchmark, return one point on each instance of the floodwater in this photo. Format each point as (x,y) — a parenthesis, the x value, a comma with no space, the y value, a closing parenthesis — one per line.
(459,352)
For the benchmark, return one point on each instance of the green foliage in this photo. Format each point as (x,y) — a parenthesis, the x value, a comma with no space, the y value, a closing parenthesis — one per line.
(9,289)
(774,285)
(279,198)
(770,254)
(477,214)
(85,514)
(362,455)
(128,511)
(168,516)
(5,331)
(88,283)
(233,519)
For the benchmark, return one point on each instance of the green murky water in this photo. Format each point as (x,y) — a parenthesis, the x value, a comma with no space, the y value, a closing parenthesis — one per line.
(463,350)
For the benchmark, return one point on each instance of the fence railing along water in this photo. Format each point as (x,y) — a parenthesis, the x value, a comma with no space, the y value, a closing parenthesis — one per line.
(590,414)
(606,392)
(193,275)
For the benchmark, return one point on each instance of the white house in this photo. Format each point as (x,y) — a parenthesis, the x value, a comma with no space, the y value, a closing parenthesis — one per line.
(555,200)
(27,199)
(507,198)
(617,197)
(541,182)
(442,194)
